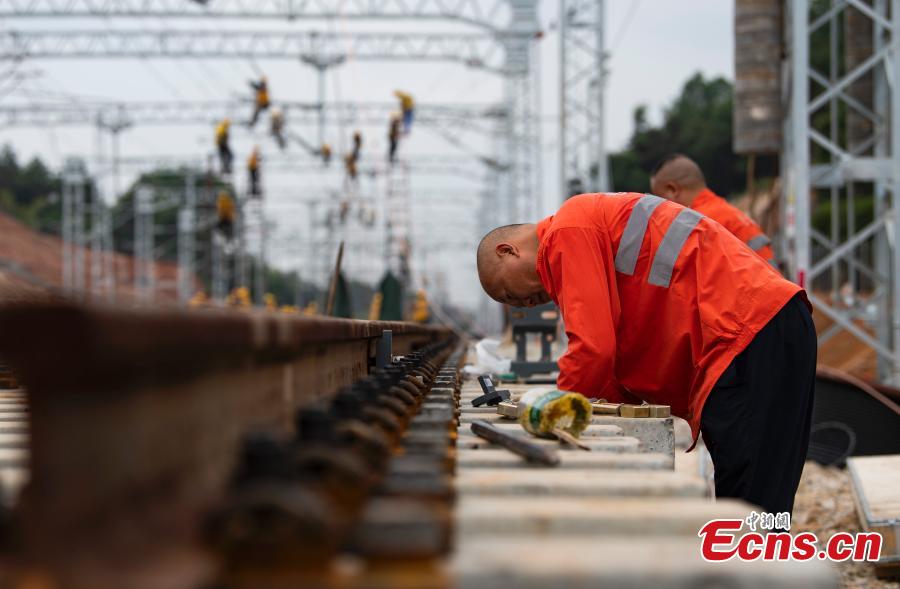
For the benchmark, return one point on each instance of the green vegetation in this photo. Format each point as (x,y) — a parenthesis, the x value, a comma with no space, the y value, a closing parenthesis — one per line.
(698,124)
(29,193)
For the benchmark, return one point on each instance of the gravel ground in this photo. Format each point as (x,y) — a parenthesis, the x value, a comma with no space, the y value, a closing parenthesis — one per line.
(824,505)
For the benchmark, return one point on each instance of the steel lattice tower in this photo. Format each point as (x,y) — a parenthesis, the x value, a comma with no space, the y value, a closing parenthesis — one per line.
(582,150)
(830,162)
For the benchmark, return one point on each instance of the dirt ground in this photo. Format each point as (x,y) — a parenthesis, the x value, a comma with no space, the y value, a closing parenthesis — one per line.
(824,505)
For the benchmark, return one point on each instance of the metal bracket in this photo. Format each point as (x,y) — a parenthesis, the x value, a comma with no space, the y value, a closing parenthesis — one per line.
(383,353)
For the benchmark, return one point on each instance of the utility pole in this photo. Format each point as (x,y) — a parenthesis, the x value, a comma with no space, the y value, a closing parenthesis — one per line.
(97,235)
(110,258)
(260,281)
(321,63)
(217,259)
(240,230)
(79,237)
(144,267)
(67,199)
(187,226)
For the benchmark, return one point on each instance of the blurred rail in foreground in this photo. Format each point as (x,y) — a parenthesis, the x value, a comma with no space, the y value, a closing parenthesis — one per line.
(139,422)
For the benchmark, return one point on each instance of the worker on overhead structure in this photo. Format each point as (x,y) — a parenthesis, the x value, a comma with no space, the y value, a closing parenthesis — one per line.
(253,171)
(420,311)
(352,158)
(663,304)
(223,147)
(357,145)
(325,153)
(393,136)
(679,179)
(350,166)
(199,299)
(225,214)
(260,98)
(407,107)
(276,126)
(240,297)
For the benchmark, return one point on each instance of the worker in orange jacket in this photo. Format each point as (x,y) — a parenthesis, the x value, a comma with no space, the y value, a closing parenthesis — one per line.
(679,179)
(664,305)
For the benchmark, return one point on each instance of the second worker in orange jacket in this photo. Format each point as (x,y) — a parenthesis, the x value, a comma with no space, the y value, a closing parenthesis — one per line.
(662,304)
(679,179)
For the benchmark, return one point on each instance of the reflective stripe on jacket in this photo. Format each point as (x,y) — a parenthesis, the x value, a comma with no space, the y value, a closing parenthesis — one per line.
(657,300)
(735,220)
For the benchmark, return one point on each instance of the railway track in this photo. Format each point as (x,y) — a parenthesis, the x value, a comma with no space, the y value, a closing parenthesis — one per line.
(175,449)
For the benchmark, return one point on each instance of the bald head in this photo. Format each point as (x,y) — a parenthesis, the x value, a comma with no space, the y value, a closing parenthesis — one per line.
(486,254)
(507,259)
(677,178)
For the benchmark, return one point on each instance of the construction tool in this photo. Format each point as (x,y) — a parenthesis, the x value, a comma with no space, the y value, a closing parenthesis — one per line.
(569,439)
(627,410)
(601,407)
(660,410)
(491,397)
(516,444)
(509,409)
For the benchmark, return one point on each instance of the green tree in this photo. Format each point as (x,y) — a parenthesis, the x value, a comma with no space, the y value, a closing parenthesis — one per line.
(30,193)
(697,123)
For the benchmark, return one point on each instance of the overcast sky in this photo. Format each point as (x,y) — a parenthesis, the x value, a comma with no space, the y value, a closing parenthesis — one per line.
(654,46)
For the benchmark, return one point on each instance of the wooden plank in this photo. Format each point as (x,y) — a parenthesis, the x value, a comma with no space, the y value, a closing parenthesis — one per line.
(875,480)
(634,411)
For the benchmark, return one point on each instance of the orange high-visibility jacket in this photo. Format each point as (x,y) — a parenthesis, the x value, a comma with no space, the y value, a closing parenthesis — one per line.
(735,220)
(657,299)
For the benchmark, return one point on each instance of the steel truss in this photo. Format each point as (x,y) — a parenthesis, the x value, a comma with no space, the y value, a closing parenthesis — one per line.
(462,166)
(507,50)
(582,149)
(836,163)
(493,15)
(521,154)
(472,49)
(208,112)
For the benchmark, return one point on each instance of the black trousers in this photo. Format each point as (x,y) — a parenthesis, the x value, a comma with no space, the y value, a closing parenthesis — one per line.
(755,422)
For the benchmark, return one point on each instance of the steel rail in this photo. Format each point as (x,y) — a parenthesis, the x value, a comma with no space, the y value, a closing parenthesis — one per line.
(136,415)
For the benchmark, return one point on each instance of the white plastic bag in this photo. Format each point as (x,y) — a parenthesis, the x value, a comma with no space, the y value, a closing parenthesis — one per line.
(488,359)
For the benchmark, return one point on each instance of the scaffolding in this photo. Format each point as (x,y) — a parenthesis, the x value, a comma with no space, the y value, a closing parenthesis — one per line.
(824,163)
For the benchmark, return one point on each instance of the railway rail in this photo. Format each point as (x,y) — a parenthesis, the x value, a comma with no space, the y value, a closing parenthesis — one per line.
(169,448)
